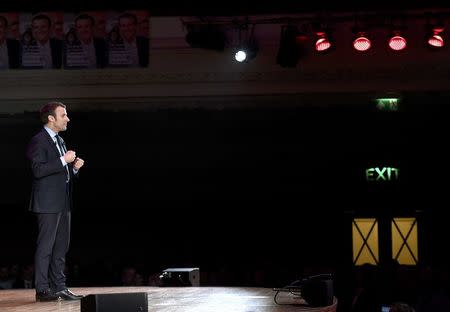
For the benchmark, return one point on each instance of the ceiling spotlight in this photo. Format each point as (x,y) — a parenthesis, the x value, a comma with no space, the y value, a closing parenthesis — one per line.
(435,39)
(434,30)
(240,55)
(248,46)
(361,42)
(246,51)
(323,42)
(397,42)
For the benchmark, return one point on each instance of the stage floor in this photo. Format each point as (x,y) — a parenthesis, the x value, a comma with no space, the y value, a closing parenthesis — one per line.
(173,299)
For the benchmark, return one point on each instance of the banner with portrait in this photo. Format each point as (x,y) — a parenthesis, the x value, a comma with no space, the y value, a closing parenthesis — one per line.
(85,40)
(41,40)
(9,41)
(91,39)
(128,38)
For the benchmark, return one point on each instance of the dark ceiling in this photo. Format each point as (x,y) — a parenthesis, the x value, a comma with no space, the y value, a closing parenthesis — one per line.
(222,7)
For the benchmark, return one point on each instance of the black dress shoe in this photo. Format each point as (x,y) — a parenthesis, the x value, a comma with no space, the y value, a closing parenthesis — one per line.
(66,294)
(46,295)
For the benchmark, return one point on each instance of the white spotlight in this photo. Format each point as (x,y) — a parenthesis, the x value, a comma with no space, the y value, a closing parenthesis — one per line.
(240,56)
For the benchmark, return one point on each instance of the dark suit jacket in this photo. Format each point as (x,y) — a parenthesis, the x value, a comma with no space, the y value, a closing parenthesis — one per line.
(49,189)
(13,53)
(100,52)
(57,47)
(143,47)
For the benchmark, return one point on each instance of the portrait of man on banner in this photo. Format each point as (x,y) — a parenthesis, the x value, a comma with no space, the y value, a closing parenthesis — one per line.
(84,47)
(57,24)
(39,43)
(128,39)
(9,46)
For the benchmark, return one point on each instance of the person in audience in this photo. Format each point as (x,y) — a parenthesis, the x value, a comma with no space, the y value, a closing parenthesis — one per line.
(6,282)
(25,278)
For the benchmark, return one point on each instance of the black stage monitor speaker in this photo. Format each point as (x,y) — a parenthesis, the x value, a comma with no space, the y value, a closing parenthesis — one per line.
(318,290)
(120,302)
(180,277)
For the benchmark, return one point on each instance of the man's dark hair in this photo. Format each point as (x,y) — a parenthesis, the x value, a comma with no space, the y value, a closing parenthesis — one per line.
(85,16)
(49,110)
(128,15)
(42,17)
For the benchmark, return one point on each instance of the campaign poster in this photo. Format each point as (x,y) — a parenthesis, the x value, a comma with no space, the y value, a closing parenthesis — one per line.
(41,40)
(128,38)
(9,41)
(85,40)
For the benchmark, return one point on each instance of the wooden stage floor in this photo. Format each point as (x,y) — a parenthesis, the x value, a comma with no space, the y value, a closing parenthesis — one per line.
(170,299)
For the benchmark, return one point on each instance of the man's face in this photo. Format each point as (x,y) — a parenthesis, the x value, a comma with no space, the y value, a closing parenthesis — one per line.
(14,30)
(59,122)
(41,30)
(100,29)
(2,30)
(99,24)
(144,27)
(85,30)
(127,28)
(143,23)
(58,30)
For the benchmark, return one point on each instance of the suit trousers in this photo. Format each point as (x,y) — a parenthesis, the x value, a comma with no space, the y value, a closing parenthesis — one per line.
(52,246)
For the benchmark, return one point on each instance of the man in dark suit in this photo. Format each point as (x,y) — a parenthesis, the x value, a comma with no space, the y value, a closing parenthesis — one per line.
(136,46)
(53,168)
(9,48)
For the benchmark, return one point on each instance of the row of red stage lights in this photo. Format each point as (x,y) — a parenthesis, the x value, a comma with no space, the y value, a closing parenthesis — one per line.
(362,43)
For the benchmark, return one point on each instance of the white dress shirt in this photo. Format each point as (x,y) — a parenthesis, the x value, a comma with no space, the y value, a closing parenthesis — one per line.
(45,52)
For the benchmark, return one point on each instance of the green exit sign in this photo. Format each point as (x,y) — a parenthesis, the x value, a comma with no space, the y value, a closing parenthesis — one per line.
(382,174)
(388,104)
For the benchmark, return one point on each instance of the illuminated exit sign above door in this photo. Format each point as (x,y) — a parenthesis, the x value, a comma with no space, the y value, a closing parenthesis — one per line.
(382,174)
(388,104)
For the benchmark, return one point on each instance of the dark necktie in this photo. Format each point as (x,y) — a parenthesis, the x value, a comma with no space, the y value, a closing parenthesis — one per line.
(62,151)
(60,145)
